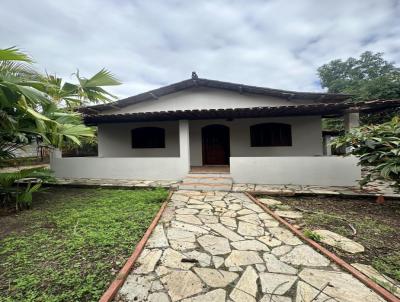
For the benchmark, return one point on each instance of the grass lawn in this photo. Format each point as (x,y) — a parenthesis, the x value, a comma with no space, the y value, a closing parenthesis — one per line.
(377,227)
(72,243)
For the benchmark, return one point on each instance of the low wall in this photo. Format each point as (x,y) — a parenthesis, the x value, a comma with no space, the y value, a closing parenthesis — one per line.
(299,170)
(158,168)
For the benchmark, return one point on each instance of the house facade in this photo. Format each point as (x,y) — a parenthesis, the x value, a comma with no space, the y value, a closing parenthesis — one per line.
(258,135)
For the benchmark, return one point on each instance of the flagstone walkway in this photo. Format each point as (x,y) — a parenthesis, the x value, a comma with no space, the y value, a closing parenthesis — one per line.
(219,246)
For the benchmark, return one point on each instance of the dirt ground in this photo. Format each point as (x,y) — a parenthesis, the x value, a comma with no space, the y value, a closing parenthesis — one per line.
(377,226)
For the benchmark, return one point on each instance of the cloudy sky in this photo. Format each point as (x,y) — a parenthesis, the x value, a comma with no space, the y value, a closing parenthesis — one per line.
(147,44)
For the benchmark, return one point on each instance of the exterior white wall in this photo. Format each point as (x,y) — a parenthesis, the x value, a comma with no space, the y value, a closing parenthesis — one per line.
(205,98)
(114,140)
(306,138)
(149,168)
(304,170)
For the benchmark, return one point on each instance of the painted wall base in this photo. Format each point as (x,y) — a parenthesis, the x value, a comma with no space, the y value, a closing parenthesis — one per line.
(171,168)
(297,170)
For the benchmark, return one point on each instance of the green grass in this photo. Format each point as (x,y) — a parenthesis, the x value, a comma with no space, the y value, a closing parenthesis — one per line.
(369,233)
(71,245)
(369,230)
(388,265)
(312,235)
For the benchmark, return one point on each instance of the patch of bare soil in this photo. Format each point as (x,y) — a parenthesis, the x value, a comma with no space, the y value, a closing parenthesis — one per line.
(375,226)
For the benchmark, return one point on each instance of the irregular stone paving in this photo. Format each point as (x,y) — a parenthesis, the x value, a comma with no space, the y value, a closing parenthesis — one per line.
(103,182)
(383,280)
(374,189)
(339,241)
(220,246)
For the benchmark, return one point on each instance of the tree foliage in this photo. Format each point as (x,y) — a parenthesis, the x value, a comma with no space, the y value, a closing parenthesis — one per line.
(368,77)
(86,91)
(377,147)
(40,107)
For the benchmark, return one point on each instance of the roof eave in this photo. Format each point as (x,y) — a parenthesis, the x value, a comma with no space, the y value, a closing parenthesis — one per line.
(331,109)
(200,82)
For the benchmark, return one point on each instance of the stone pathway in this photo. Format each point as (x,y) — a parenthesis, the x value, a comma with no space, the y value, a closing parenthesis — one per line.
(236,187)
(373,189)
(104,182)
(219,246)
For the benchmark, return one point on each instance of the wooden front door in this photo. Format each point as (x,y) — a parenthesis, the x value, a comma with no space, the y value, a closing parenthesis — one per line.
(215,145)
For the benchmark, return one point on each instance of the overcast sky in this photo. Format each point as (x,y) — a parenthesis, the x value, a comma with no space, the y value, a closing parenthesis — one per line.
(148,44)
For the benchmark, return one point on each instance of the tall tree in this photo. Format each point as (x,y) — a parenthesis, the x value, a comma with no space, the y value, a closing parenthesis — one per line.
(368,77)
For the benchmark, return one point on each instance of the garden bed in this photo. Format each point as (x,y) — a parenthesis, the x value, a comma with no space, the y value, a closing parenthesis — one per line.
(72,243)
(375,226)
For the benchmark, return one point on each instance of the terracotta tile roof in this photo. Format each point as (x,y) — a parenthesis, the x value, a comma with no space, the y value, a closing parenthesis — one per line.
(239,88)
(328,109)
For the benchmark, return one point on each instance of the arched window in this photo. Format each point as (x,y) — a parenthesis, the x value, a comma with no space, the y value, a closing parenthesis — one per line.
(148,137)
(271,135)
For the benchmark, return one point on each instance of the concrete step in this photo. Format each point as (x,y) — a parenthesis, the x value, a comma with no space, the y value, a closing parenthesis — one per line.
(205,186)
(210,180)
(207,182)
(210,175)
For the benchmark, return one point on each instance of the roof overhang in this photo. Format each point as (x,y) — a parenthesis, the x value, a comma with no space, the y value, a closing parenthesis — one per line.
(319,97)
(329,109)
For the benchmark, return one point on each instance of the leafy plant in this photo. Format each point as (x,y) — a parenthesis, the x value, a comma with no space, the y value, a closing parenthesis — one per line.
(24,198)
(312,235)
(13,190)
(40,107)
(377,147)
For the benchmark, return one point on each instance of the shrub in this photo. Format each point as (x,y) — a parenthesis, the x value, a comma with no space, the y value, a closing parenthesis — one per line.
(377,147)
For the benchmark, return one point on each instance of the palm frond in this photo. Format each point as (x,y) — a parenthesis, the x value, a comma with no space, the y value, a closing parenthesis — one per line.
(14,54)
(102,78)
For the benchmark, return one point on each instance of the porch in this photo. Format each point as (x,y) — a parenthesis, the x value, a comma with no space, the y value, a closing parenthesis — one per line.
(189,148)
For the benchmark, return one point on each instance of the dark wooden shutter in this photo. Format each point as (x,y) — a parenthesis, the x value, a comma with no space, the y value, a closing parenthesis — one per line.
(148,137)
(271,135)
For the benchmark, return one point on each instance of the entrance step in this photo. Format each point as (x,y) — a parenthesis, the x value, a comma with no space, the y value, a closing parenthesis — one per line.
(207,182)
(212,175)
(207,179)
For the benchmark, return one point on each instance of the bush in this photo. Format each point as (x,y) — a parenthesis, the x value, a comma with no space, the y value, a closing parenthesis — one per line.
(377,147)
(14,189)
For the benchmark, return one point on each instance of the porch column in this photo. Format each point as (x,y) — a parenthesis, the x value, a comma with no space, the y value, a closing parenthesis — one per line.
(55,153)
(351,119)
(184,146)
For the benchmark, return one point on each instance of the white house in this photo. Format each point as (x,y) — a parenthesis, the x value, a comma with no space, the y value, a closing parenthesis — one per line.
(259,135)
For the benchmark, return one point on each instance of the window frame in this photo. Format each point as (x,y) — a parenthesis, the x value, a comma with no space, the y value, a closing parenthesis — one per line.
(271,130)
(157,133)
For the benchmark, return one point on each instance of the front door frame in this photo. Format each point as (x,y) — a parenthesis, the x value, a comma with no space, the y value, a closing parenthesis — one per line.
(225,143)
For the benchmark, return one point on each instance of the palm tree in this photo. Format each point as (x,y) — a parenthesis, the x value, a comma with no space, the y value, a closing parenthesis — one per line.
(30,103)
(84,92)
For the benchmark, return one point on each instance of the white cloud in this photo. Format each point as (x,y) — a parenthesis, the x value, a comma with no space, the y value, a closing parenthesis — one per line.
(148,44)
